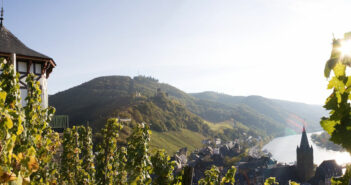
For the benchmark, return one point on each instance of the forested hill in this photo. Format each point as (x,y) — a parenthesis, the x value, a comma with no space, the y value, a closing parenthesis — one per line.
(172,109)
(290,114)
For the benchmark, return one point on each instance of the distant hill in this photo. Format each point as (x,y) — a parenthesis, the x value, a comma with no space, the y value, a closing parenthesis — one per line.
(291,115)
(167,108)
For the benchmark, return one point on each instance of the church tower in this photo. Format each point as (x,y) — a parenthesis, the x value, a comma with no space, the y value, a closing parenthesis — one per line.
(304,154)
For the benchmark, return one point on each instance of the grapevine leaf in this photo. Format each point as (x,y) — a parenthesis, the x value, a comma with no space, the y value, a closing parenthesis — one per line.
(337,84)
(19,129)
(329,66)
(339,69)
(328,125)
(3,96)
(8,123)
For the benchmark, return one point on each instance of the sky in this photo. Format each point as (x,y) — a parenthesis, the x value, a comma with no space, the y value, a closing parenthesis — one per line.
(272,48)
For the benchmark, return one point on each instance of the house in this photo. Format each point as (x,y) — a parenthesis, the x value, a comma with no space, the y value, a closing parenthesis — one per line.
(25,61)
(325,171)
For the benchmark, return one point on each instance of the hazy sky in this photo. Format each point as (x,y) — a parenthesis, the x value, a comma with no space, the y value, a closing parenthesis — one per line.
(272,48)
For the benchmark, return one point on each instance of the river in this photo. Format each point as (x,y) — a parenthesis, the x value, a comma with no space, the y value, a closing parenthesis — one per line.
(283,149)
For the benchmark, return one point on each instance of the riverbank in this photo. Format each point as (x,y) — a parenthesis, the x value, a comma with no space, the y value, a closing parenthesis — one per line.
(283,149)
(322,140)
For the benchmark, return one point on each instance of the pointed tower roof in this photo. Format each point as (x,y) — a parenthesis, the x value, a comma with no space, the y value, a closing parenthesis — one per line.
(9,43)
(304,140)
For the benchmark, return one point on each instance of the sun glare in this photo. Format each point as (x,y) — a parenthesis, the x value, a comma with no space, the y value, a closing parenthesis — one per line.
(345,48)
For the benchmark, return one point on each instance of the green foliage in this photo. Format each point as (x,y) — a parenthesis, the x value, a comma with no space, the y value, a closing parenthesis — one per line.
(212,177)
(13,158)
(344,180)
(293,183)
(338,124)
(87,156)
(165,114)
(229,177)
(28,147)
(40,135)
(108,165)
(71,169)
(122,173)
(162,168)
(139,165)
(270,181)
(27,142)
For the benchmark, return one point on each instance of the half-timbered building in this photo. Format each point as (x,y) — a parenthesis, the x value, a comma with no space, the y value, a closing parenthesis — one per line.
(25,61)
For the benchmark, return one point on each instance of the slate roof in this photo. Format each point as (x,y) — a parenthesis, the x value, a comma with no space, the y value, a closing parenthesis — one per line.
(329,168)
(283,174)
(9,43)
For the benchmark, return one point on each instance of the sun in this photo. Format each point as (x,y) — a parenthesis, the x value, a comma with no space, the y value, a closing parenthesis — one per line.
(345,48)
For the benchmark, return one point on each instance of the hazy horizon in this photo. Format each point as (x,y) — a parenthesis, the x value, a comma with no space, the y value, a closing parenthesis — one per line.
(275,49)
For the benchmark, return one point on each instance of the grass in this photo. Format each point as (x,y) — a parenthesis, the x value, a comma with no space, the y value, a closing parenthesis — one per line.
(219,127)
(172,141)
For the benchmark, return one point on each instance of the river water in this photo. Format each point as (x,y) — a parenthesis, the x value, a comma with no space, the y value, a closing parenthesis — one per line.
(283,149)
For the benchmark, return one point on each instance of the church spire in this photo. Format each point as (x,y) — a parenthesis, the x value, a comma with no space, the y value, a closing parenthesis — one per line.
(304,140)
(2,13)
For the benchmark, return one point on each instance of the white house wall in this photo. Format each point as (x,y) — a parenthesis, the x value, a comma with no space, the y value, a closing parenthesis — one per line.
(22,66)
(24,94)
(44,92)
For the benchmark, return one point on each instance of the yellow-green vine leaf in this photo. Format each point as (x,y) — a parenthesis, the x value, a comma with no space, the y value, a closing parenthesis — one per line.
(328,125)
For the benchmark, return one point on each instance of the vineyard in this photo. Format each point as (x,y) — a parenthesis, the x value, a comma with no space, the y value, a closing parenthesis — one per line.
(32,153)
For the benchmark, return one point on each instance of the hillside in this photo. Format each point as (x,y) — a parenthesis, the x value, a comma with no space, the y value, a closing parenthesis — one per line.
(290,115)
(168,109)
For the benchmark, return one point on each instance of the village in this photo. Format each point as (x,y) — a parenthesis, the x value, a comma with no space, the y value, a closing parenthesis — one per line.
(255,169)
(253,165)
